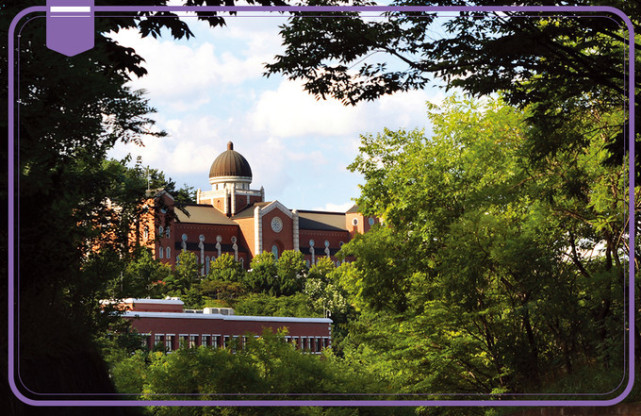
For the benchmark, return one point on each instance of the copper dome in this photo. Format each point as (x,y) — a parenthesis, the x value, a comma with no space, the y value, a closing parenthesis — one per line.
(230,163)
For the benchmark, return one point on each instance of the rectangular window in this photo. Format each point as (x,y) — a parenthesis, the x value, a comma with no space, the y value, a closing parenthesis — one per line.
(170,344)
(214,341)
(159,341)
(226,341)
(234,343)
(144,340)
(205,340)
(183,340)
(193,341)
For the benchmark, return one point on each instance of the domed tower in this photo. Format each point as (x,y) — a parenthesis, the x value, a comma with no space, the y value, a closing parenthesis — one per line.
(230,177)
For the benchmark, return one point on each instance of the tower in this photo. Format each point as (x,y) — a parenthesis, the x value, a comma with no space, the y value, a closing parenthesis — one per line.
(230,177)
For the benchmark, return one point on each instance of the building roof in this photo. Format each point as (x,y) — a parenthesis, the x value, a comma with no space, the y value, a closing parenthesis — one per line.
(352,210)
(202,214)
(218,316)
(249,211)
(321,220)
(230,163)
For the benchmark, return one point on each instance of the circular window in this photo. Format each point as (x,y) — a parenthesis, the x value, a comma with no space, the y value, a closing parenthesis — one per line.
(371,221)
(201,237)
(326,243)
(311,243)
(184,237)
(355,221)
(277,224)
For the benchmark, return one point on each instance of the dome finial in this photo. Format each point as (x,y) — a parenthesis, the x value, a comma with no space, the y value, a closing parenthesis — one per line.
(230,145)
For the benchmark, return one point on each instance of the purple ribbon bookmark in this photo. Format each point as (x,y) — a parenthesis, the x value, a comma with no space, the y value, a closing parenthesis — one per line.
(70,26)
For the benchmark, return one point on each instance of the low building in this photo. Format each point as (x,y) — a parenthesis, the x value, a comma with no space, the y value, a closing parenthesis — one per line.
(165,323)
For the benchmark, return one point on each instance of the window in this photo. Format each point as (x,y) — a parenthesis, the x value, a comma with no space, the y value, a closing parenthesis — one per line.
(277,224)
(167,233)
(160,253)
(205,340)
(146,233)
(169,345)
(226,341)
(193,341)
(183,340)
(168,252)
(371,221)
(214,341)
(159,341)
(355,221)
(144,340)
(275,251)
(207,264)
(160,231)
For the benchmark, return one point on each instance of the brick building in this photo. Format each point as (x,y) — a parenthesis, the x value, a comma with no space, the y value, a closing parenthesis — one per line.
(233,218)
(164,322)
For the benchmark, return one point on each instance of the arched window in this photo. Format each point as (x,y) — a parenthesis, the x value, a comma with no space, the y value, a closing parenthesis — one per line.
(146,233)
(275,251)
(168,252)
(160,253)
(167,232)
(160,231)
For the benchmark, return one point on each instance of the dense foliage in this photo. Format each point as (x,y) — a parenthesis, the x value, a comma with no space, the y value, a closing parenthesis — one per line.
(493,274)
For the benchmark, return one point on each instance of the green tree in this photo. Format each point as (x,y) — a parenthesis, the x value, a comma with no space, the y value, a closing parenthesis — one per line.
(477,282)
(225,268)
(291,270)
(559,63)
(143,277)
(185,275)
(266,368)
(225,280)
(263,273)
(262,304)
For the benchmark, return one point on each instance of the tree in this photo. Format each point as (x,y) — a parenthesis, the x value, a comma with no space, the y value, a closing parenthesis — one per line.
(225,268)
(266,368)
(477,284)
(558,65)
(262,273)
(291,270)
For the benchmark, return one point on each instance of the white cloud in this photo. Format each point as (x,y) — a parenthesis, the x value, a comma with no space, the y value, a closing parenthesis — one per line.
(289,111)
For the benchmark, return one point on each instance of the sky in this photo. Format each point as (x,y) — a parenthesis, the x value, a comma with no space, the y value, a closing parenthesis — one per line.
(210,89)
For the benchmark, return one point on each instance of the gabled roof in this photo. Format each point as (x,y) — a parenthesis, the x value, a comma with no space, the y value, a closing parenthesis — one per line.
(321,220)
(352,210)
(249,211)
(202,214)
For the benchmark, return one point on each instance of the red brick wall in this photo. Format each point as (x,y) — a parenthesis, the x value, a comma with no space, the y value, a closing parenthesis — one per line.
(284,239)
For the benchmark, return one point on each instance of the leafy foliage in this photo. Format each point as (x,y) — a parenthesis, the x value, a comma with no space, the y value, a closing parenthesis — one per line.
(477,283)
(267,366)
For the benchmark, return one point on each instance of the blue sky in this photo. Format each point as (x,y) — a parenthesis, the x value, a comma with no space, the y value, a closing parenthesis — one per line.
(211,89)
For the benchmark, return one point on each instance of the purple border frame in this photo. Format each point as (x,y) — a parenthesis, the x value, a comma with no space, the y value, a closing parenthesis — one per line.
(471,403)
